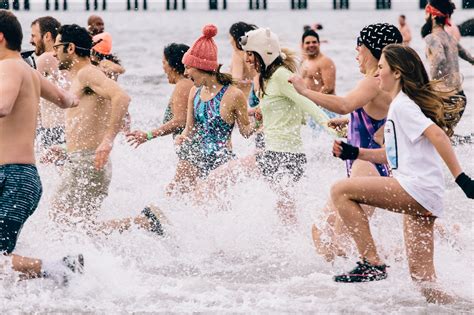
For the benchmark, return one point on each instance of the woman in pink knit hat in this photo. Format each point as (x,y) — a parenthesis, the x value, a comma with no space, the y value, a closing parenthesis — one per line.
(214,106)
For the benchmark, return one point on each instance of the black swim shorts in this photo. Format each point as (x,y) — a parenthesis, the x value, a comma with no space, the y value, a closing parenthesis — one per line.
(276,165)
(9,232)
(20,192)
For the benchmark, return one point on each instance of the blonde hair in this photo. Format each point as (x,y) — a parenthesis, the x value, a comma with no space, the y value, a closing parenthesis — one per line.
(416,84)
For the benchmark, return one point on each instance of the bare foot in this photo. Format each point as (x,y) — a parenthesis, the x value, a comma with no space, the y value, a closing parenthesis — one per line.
(328,250)
(437,296)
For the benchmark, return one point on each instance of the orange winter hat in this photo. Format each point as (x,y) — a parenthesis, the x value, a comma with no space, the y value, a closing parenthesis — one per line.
(103,43)
(203,54)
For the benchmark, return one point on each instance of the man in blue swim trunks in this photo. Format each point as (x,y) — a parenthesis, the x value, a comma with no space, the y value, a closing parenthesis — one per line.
(20,186)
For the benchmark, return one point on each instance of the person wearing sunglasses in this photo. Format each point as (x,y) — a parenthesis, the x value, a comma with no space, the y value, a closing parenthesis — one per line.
(368,106)
(90,131)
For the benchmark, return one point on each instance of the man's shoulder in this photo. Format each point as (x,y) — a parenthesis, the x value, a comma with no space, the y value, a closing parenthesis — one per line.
(89,72)
(14,67)
(326,61)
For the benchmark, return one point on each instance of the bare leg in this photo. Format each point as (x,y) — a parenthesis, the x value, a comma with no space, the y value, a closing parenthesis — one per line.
(286,207)
(223,176)
(418,234)
(387,193)
(30,267)
(184,180)
(381,192)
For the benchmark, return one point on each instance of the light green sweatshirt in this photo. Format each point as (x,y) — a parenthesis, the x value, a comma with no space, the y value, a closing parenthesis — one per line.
(283,112)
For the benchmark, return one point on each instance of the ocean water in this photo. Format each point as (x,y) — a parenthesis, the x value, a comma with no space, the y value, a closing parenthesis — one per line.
(235,256)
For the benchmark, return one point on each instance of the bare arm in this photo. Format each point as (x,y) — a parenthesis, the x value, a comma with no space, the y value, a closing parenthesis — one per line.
(241,114)
(58,96)
(10,85)
(96,80)
(328,74)
(179,101)
(189,129)
(441,142)
(111,67)
(464,54)
(377,156)
(407,35)
(365,91)
(110,90)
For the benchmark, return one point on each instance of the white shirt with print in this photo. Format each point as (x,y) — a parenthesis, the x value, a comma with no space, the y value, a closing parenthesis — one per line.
(414,160)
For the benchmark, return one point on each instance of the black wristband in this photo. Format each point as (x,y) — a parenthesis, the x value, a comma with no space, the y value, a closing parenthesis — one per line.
(462,179)
(466,184)
(349,152)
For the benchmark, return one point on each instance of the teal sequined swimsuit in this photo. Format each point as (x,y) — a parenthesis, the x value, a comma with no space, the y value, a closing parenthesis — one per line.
(208,148)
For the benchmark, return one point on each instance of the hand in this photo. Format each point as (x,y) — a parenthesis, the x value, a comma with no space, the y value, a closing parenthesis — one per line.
(344,151)
(466,184)
(298,83)
(180,139)
(53,155)
(258,114)
(136,138)
(73,100)
(102,153)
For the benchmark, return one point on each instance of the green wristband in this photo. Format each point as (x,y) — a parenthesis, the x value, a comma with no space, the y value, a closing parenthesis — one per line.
(149,135)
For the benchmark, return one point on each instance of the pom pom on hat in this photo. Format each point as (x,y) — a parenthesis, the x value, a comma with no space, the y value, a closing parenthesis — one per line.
(209,31)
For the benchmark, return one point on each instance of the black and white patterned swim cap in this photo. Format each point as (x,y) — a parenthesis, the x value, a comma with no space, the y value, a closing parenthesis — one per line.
(376,36)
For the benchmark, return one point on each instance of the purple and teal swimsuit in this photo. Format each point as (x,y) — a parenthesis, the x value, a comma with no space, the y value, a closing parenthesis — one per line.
(361,132)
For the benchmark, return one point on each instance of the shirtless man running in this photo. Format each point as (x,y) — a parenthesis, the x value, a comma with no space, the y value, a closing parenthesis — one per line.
(90,129)
(319,71)
(43,34)
(20,185)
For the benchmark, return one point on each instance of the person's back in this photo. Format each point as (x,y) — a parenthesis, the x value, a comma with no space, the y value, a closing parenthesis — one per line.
(17,129)
(442,52)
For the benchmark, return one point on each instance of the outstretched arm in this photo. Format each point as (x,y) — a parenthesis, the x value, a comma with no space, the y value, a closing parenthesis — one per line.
(464,54)
(365,91)
(56,95)
(303,103)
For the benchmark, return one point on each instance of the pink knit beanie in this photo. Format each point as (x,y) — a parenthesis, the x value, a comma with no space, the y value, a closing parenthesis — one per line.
(203,54)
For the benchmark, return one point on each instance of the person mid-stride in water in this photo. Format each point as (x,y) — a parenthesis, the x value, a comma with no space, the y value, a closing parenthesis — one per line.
(415,142)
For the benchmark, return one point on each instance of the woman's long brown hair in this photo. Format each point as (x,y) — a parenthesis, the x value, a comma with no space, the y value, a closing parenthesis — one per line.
(416,84)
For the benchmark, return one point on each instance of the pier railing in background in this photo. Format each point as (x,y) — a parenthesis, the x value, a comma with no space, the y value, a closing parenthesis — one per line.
(257,4)
(213,4)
